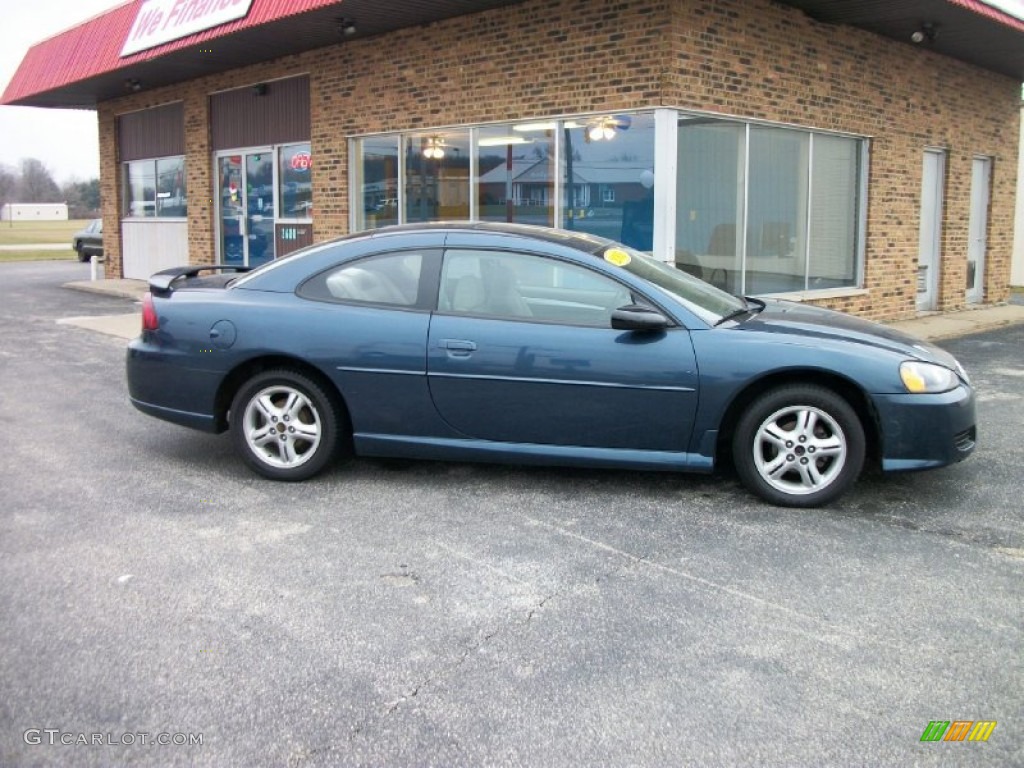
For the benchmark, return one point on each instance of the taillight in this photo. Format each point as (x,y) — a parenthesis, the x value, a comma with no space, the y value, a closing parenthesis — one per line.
(150,322)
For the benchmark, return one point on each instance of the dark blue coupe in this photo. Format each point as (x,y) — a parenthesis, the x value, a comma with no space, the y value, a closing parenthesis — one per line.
(507,343)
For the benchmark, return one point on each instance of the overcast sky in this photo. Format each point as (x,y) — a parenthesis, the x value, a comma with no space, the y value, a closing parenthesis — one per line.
(66,139)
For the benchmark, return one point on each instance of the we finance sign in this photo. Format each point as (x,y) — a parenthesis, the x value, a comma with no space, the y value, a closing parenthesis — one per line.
(160,21)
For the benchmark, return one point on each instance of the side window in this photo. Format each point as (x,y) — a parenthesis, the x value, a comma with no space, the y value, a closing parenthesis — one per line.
(391,279)
(518,285)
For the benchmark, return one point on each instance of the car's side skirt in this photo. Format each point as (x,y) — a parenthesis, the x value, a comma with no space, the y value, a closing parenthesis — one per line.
(448,449)
(201,421)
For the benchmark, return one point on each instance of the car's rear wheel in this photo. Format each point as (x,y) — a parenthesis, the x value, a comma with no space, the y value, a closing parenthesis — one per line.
(799,446)
(284,425)
(82,255)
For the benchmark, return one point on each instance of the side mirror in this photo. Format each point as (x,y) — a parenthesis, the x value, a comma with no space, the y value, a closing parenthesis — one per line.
(635,317)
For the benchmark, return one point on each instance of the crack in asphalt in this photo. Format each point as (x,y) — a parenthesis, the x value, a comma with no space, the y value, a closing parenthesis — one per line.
(984,537)
(509,626)
(828,638)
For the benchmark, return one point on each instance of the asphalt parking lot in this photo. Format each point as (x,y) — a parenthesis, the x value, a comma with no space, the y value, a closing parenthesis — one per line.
(416,614)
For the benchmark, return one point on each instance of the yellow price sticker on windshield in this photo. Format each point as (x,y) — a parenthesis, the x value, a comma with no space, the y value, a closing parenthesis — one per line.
(617,256)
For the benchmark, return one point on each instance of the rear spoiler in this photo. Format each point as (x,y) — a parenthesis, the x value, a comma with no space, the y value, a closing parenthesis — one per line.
(162,280)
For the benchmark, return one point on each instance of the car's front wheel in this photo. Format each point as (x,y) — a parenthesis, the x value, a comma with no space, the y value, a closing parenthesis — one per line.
(284,425)
(799,446)
(82,255)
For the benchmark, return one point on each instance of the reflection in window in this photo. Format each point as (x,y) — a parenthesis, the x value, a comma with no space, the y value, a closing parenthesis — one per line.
(170,187)
(296,184)
(437,176)
(376,178)
(515,168)
(608,178)
(759,209)
(140,189)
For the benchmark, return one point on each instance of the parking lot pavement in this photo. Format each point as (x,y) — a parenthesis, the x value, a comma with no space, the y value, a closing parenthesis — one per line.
(392,613)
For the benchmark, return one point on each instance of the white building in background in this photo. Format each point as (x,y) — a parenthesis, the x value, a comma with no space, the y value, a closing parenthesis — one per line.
(34,212)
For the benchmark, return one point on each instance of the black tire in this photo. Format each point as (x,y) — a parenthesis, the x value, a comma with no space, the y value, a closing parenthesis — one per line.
(82,255)
(285,426)
(799,446)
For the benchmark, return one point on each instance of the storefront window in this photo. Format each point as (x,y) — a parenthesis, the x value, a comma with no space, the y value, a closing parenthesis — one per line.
(709,200)
(376,179)
(835,184)
(437,176)
(759,209)
(155,188)
(793,197)
(140,189)
(608,178)
(296,184)
(170,187)
(515,172)
(777,212)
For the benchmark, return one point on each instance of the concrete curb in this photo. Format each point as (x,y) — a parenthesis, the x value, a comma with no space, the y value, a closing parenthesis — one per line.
(951,325)
(121,326)
(126,289)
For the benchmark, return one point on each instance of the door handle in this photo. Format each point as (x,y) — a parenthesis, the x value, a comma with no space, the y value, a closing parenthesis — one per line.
(459,347)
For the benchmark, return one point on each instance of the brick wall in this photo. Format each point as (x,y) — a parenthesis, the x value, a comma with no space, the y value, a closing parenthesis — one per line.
(769,61)
(749,58)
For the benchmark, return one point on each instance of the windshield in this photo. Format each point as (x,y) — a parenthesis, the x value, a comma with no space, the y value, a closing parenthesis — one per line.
(703,299)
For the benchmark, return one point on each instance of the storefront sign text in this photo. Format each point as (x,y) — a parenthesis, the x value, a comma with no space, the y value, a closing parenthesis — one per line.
(160,21)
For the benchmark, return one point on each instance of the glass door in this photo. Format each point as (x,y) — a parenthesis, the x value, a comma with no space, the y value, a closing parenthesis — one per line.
(930,248)
(976,229)
(247,207)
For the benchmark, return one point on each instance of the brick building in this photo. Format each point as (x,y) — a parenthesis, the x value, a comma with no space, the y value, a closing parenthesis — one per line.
(860,155)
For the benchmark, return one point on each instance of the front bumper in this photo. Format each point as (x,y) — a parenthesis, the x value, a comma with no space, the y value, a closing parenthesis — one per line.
(924,431)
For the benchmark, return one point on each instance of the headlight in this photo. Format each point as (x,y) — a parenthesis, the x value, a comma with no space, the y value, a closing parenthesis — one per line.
(921,377)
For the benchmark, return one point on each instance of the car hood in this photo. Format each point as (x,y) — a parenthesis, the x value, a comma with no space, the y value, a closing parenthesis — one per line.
(818,324)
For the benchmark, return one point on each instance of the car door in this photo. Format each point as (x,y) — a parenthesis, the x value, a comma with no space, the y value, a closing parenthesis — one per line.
(521,350)
(366,323)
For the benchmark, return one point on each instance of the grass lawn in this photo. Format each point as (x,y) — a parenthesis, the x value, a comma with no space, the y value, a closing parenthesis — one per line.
(33,232)
(30,255)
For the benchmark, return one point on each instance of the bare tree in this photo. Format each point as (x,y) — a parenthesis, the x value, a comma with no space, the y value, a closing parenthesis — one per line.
(8,185)
(37,184)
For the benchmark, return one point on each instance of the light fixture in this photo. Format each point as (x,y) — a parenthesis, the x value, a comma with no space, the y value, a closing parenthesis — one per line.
(347,27)
(549,125)
(133,84)
(602,128)
(434,149)
(502,141)
(925,34)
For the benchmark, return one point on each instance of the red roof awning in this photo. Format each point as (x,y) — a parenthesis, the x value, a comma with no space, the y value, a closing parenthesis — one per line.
(991,12)
(85,54)
(83,66)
